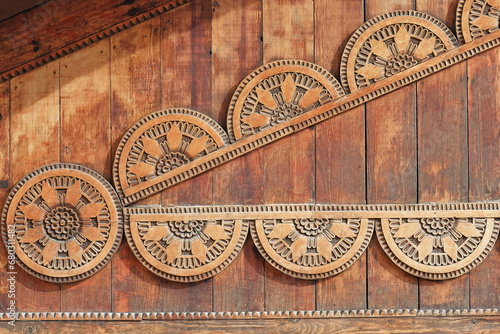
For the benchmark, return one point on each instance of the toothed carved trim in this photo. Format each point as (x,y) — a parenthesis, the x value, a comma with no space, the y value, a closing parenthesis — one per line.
(64,222)
(477,18)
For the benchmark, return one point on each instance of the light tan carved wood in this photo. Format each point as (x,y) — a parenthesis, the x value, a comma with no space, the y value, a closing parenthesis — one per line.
(137,190)
(184,244)
(477,18)
(64,222)
(278,92)
(392,43)
(442,242)
(160,143)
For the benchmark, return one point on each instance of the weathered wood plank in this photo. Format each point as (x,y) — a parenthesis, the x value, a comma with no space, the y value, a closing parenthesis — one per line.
(34,122)
(236,48)
(85,140)
(289,164)
(53,25)
(135,83)
(340,151)
(391,175)
(442,156)
(186,82)
(485,325)
(484,163)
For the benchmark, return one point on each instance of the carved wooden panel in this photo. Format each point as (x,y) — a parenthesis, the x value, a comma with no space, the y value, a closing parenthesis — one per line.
(440,243)
(278,92)
(184,244)
(64,222)
(159,143)
(477,18)
(392,43)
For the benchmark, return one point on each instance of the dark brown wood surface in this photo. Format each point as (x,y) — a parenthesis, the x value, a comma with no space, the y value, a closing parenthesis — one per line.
(434,141)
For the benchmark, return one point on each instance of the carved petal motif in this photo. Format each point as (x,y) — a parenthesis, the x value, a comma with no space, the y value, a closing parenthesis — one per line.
(494,3)
(91,210)
(74,193)
(467,229)
(196,146)
(450,247)
(142,169)
(49,253)
(151,146)
(402,39)
(199,250)
(32,235)
(174,250)
(156,233)
(380,49)
(485,22)
(49,194)
(425,247)
(281,230)
(216,232)
(425,47)
(299,248)
(266,98)
(288,88)
(256,120)
(92,233)
(324,247)
(32,211)
(371,71)
(75,251)
(407,230)
(342,230)
(174,138)
(310,97)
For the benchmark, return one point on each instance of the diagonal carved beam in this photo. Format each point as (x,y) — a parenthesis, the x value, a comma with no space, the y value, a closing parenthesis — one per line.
(134,193)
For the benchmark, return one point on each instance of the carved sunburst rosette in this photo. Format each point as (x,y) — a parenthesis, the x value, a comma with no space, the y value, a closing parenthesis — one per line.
(183,244)
(64,222)
(311,244)
(391,43)
(477,18)
(155,150)
(277,92)
(438,245)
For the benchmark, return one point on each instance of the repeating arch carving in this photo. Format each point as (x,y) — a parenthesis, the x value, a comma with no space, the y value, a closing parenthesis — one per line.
(277,92)
(477,18)
(64,222)
(392,43)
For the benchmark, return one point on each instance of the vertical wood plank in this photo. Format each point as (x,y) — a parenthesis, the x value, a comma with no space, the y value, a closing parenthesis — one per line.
(236,48)
(5,184)
(135,84)
(340,153)
(34,143)
(85,140)
(289,166)
(443,155)
(186,82)
(484,168)
(391,175)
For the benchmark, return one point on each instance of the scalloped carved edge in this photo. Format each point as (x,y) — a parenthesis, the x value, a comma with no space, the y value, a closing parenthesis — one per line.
(140,316)
(94,38)
(183,279)
(150,117)
(114,197)
(315,116)
(361,30)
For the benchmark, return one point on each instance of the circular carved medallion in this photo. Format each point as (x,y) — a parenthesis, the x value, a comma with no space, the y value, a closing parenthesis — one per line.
(477,18)
(436,247)
(64,222)
(277,92)
(312,248)
(160,143)
(392,43)
(186,250)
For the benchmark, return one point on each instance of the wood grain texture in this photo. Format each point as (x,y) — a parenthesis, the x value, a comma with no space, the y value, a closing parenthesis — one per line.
(136,91)
(84,94)
(289,173)
(35,133)
(186,81)
(56,24)
(236,52)
(442,153)
(484,163)
(391,174)
(486,325)
(340,153)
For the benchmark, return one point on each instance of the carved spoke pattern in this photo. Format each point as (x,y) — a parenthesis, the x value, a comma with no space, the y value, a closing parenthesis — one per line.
(390,44)
(186,250)
(312,248)
(477,18)
(66,220)
(163,141)
(437,247)
(278,92)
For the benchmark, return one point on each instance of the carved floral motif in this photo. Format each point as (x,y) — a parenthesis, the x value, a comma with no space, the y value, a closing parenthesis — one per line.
(477,18)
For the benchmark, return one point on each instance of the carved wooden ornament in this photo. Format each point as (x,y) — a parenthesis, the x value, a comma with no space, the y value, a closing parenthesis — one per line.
(477,18)
(277,92)
(184,244)
(442,242)
(392,43)
(64,222)
(159,143)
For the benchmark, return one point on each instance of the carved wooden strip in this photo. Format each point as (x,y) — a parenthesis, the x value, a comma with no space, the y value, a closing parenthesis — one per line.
(134,193)
(392,43)
(64,222)
(477,18)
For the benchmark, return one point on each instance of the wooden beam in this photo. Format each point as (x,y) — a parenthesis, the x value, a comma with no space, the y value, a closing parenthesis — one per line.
(59,27)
